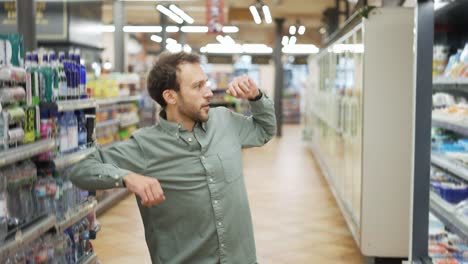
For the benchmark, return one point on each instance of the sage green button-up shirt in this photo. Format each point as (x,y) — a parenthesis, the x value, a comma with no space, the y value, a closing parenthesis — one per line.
(205,218)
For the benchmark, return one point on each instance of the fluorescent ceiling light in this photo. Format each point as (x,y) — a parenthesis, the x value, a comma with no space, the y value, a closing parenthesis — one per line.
(285,40)
(230,29)
(229,40)
(300,49)
(107,65)
(174,47)
(203,49)
(142,29)
(170,14)
(439,5)
(194,29)
(187,48)
(292,30)
(255,14)
(292,40)
(301,30)
(181,14)
(221,48)
(171,41)
(220,39)
(267,14)
(156,38)
(107,28)
(256,48)
(172,29)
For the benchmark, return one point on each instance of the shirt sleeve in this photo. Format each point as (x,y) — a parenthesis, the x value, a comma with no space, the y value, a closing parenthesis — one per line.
(105,167)
(258,129)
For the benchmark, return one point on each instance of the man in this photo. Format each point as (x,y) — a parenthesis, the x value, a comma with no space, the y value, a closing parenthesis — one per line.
(186,171)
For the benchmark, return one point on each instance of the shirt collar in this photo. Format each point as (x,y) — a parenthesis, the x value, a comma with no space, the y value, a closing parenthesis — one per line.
(172,127)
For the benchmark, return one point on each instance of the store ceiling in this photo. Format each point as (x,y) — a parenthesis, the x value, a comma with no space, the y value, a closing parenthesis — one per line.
(236,13)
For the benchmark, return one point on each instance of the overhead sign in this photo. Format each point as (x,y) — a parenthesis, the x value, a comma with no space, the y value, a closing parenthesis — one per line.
(220,59)
(215,15)
(51,19)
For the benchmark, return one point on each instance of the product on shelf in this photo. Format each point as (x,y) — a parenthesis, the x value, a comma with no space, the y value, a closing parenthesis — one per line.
(115,85)
(11,50)
(447,187)
(445,247)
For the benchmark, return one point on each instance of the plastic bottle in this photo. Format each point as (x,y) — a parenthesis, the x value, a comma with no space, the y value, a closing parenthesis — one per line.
(32,79)
(46,132)
(72,126)
(63,89)
(51,192)
(41,195)
(56,78)
(82,131)
(64,143)
(3,208)
(81,75)
(28,201)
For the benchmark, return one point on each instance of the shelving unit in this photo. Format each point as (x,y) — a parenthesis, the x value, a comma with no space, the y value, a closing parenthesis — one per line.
(446,213)
(107,123)
(26,236)
(26,151)
(457,170)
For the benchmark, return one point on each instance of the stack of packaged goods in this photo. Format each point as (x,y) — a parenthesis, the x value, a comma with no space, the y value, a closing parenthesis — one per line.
(129,120)
(445,247)
(32,186)
(455,68)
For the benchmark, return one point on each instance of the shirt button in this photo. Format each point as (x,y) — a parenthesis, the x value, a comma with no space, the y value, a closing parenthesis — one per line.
(176,134)
(219,223)
(100,176)
(211,179)
(190,139)
(216,201)
(116,184)
(222,245)
(203,157)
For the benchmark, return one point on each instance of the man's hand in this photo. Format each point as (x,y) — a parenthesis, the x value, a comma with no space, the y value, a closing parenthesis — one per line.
(243,87)
(147,188)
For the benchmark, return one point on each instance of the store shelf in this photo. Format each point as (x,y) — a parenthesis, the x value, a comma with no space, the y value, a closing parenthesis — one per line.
(107,123)
(458,170)
(446,213)
(130,123)
(455,127)
(76,216)
(90,259)
(116,100)
(450,81)
(70,159)
(110,200)
(71,105)
(26,151)
(26,236)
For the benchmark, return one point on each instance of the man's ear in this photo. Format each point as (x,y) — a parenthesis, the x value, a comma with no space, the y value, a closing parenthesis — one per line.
(170,96)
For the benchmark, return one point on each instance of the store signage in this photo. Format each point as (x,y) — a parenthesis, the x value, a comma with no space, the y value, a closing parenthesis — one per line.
(214,15)
(300,60)
(220,59)
(261,59)
(51,19)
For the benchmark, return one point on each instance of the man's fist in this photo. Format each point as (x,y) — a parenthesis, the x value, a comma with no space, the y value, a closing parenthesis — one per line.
(147,188)
(243,87)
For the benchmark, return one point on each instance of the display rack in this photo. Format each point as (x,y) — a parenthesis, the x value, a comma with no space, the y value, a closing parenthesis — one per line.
(446,213)
(26,236)
(26,151)
(458,170)
(122,99)
(77,215)
(70,159)
(129,123)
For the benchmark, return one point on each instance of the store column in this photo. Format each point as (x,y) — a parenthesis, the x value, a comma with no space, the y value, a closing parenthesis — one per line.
(27,27)
(279,75)
(422,146)
(119,39)
(163,32)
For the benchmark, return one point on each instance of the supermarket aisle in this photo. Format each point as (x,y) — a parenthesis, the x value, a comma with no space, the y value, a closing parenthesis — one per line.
(295,215)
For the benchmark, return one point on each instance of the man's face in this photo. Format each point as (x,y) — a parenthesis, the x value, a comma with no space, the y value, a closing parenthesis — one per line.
(194,96)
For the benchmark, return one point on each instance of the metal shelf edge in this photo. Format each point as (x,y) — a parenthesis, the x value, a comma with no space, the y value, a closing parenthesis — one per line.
(72,158)
(446,164)
(26,151)
(135,122)
(75,104)
(107,123)
(109,201)
(445,212)
(28,235)
(75,218)
(121,99)
(459,128)
(91,259)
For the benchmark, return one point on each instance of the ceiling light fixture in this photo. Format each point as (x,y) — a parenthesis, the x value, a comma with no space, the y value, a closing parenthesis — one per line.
(194,29)
(255,14)
(292,30)
(156,38)
(230,29)
(267,14)
(171,41)
(142,29)
(301,30)
(292,40)
(260,8)
(170,14)
(285,40)
(181,14)
(172,29)
(300,49)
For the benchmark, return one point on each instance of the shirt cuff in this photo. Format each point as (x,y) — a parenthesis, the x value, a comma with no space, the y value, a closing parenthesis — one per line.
(116,176)
(261,104)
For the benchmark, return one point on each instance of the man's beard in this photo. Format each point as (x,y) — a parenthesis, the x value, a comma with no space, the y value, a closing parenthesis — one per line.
(192,112)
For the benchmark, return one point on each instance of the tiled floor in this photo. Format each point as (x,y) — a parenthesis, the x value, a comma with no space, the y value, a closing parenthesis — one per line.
(295,216)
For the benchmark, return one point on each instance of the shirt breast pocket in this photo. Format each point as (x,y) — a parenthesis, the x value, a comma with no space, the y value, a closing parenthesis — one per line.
(231,160)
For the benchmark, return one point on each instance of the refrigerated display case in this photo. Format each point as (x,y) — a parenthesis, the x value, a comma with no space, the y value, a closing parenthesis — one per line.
(358,124)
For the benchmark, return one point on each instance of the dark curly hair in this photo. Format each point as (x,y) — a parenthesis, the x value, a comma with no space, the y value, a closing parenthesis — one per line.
(163,75)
